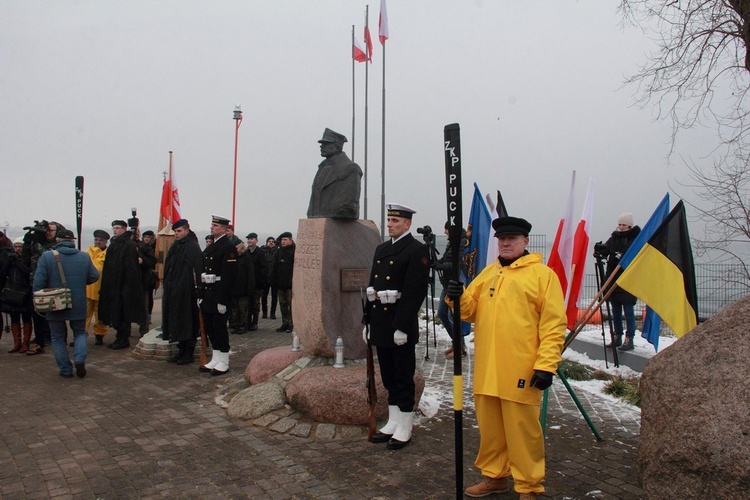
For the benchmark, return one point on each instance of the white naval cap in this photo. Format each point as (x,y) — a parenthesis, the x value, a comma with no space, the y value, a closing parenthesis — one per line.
(397,210)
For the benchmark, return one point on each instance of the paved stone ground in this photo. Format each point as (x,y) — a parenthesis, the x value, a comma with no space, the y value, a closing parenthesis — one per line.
(149,429)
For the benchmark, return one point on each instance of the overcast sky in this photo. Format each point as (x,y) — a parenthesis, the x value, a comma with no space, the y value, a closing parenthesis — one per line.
(107,89)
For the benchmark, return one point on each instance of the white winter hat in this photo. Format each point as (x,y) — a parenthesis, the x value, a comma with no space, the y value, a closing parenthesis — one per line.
(18,241)
(626,218)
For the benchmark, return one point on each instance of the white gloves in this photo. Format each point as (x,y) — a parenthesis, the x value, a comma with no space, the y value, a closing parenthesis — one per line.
(366,334)
(399,337)
(200,301)
(371,294)
(221,308)
(208,278)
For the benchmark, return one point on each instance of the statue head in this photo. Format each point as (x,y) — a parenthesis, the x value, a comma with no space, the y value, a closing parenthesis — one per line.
(331,143)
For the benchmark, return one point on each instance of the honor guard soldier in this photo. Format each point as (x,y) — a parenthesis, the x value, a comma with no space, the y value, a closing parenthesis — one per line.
(217,282)
(398,285)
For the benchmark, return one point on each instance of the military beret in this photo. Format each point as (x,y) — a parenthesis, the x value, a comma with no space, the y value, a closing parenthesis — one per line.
(331,136)
(270,238)
(65,234)
(217,219)
(511,225)
(285,234)
(396,210)
(230,226)
(209,237)
(119,222)
(179,223)
(252,235)
(99,233)
(148,233)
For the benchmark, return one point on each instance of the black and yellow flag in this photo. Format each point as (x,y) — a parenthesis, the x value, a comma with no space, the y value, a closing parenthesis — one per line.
(662,274)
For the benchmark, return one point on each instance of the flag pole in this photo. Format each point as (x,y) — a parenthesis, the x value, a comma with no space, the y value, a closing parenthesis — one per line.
(382,160)
(354,103)
(171,189)
(367,76)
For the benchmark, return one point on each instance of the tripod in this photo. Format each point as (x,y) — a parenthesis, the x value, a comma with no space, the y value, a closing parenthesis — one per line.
(429,238)
(599,282)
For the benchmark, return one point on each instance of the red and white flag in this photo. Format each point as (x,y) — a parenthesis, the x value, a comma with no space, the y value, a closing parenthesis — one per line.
(580,253)
(169,192)
(368,43)
(358,52)
(561,255)
(383,23)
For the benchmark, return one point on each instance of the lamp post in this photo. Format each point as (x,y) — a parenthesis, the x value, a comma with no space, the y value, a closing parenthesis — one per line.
(237,121)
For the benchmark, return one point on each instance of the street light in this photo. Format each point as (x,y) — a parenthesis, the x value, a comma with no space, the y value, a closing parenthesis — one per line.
(237,121)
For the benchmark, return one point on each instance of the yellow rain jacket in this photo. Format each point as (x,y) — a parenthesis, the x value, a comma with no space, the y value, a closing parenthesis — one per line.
(97,257)
(519,316)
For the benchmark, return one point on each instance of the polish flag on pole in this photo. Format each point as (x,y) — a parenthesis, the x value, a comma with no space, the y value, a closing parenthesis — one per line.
(383,23)
(368,43)
(170,200)
(358,52)
(561,255)
(580,253)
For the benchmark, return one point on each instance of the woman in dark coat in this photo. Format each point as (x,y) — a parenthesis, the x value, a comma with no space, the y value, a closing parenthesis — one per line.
(182,269)
(16,276)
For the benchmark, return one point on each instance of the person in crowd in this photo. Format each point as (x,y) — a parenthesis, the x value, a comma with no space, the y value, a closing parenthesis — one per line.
(183,267)
(269,251)
(283,271)
(257,259)
(233,237)
(79,271)
(121,299)
(217,283)
(518,311)
(336,187)
(238,310)
(445,265)
(148,239)
(209,239)
(620,300)
(16,298)
(97,253)
(6,249)
(397,287)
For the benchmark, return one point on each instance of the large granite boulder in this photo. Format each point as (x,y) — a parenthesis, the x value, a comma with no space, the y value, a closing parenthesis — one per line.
(695,431)
(339,395)
(268,363)
(331,265)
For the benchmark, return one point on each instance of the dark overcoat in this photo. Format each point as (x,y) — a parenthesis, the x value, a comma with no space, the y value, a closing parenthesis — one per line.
(404,267)
(336,188)
(182,273)
(219,258)
(121,297)
(617,245)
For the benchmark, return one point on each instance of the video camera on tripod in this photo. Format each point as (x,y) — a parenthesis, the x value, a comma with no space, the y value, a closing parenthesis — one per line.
(37,232)
(133,222)
(601,251)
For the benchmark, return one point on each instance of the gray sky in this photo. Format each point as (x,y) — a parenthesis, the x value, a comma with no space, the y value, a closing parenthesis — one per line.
(106,89)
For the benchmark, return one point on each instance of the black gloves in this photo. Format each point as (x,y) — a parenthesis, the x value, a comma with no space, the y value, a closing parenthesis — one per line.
(454,290)
(541,380)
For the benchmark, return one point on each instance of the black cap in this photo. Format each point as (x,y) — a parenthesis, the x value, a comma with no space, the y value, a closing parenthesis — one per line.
(119,222)
(100,233)
(285,234)
(511,225)
(148,233)
(65,234)
(252,235)
(209,237)
(179,223)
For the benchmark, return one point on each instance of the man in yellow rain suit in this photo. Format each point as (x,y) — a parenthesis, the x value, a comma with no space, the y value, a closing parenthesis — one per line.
(97,252)
(518,310)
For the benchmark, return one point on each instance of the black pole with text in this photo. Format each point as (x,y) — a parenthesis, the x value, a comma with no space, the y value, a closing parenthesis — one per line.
(79,207)
(452,138)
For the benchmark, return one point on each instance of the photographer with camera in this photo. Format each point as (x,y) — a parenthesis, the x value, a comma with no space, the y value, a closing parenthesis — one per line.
(121,299)
(444,266)
(620,300)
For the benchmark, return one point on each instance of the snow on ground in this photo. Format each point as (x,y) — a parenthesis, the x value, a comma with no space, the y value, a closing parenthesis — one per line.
(433,399)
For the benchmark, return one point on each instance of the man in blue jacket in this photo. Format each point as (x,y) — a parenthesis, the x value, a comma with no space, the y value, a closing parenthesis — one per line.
(79,271)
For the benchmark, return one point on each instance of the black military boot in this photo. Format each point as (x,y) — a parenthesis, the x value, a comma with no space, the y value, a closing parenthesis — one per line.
(188,352)
(176,356)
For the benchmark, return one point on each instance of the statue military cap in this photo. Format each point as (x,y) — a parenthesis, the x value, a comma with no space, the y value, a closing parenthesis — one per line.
(179,223)
(331,136)
(397,210)
(119,222)
(252,235)
(217,219)
(65,234)
(101,234)
(511,225)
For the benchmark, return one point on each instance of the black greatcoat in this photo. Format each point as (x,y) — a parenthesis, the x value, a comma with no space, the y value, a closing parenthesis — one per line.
(182,273)
(121,296)
(219,258)
(404,267)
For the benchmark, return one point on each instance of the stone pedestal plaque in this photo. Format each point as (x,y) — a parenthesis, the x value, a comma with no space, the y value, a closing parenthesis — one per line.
(331,265)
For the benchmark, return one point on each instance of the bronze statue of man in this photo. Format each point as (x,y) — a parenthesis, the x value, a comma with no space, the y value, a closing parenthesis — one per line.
(336,187)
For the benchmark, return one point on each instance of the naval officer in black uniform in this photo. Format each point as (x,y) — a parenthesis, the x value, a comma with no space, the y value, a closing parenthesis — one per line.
(217,282)
(398,285)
